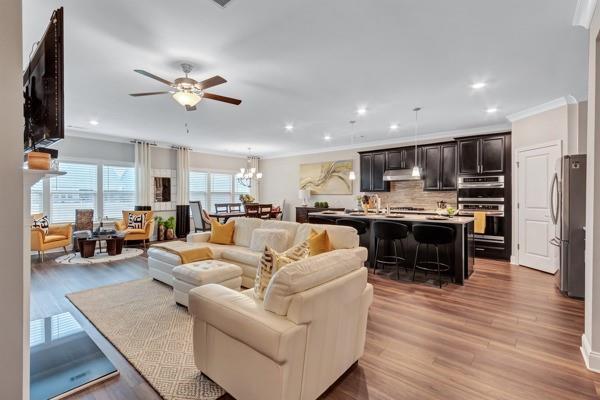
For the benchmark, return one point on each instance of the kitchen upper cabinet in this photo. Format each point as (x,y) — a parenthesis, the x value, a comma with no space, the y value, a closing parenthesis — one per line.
(449,158)
(492,155)
(395,159)
(484,155)
(468,156)
(372,167)
(432,167)
(403,158)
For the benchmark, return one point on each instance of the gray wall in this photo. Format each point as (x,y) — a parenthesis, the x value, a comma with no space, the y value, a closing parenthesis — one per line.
(14,284)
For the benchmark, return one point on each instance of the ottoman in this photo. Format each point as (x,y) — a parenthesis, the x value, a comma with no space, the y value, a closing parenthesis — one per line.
(199,273)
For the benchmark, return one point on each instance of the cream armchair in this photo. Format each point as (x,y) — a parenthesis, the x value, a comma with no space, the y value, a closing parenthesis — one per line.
(59,235)
(144,234)
(308,331)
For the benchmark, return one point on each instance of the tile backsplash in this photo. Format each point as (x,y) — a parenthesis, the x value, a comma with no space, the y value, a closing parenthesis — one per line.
(411,194)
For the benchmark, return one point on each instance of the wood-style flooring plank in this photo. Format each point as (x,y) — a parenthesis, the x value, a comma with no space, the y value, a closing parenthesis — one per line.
(507,334)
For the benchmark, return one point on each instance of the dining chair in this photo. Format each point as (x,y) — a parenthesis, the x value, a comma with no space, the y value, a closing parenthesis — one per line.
(197,216)
(264,211)
(235,207)
(222,207)
(252,210)
(206,220)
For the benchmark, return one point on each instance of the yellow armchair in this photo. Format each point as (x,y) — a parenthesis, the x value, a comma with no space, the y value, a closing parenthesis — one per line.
(59,235)
(144,234)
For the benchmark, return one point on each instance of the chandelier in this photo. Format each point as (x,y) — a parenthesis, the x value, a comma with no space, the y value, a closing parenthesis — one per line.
(246,175)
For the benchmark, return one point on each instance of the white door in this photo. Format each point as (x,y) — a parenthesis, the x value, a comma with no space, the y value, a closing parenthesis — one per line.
(536,170)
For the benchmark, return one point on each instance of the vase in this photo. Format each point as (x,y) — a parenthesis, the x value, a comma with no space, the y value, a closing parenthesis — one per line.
(169,234)
(161,232)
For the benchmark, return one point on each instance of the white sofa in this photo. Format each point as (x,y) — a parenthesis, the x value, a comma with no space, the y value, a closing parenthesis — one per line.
(307,332)
(161,263)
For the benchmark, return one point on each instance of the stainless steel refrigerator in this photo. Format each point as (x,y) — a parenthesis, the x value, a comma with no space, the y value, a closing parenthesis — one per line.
(567,209)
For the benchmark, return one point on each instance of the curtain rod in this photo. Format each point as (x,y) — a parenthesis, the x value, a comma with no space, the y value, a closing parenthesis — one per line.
(134,141)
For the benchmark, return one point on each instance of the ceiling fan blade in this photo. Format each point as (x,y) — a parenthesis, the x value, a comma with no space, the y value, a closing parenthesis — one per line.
(224,99)
(147,94)
(190,108)
(210,82)
(149,75)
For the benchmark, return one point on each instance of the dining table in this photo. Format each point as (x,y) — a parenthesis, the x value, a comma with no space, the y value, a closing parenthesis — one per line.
(225,215)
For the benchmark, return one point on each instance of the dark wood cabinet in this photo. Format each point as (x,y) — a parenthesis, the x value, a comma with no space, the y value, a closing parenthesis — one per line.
(302,212)
(403,158)
(372,168)
(395,159)
(431,167)
(439,167)
(492,155)
(448,174)
(482,155)
(468,156)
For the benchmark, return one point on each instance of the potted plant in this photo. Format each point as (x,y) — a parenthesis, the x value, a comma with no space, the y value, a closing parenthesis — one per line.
(246,198)
(160,232)
(169,225)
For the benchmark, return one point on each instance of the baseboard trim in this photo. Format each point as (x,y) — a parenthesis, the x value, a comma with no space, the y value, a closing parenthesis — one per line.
(591,358)
(513,260)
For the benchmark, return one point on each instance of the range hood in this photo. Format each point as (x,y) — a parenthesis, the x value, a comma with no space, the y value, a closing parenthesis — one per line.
(399,175)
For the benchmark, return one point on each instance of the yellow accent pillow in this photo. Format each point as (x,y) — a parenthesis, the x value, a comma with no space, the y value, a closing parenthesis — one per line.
(319,243)
(221,233)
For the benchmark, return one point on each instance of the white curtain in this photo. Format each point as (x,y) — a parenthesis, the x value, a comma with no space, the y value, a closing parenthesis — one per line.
(254,189)
(143,174)
(183,176)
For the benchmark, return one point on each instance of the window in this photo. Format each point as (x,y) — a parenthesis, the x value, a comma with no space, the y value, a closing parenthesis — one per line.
(76,189)
(37,197)
(118,189)
(199,187)
(212,188)
(221,188)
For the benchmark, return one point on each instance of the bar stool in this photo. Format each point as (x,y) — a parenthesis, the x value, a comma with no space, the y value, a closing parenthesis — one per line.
(435,235)
(360,226)
(387,231)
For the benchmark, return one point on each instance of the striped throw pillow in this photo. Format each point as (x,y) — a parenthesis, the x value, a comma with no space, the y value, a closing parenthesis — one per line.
(272,261)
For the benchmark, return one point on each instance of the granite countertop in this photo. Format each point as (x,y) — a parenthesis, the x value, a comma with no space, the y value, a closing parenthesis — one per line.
(409,217)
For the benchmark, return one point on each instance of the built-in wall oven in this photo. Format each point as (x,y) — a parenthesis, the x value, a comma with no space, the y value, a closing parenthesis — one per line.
(486,194)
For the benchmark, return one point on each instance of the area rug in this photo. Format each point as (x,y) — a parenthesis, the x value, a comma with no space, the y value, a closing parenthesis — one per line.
(141,320)
(75,258)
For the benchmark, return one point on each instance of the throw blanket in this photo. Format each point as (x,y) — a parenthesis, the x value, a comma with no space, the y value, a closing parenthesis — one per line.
(187,252)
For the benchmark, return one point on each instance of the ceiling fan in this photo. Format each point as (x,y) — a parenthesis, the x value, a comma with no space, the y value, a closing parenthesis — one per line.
(187,91)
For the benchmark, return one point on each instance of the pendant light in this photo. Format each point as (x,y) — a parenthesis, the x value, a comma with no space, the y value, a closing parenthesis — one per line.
(416,171)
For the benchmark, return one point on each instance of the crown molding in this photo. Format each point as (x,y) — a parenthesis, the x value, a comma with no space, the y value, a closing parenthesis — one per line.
(551,105)
(584,11)
(423,139)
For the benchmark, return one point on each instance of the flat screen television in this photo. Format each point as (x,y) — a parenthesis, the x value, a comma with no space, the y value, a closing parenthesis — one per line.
(43,88)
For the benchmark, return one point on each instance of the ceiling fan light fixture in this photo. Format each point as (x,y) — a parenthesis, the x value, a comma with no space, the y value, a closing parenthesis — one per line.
(187,98)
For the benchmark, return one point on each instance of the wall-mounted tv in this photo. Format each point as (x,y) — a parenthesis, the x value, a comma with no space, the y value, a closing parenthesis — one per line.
(43,88)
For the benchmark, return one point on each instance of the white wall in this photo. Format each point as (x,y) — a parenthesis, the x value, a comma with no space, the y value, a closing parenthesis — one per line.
(565,123)
(82,148)
(590,340)
(13,305)
(281,181)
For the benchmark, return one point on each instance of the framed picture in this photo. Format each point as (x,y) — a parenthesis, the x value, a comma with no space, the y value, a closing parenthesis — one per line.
(328,177)
(162,189)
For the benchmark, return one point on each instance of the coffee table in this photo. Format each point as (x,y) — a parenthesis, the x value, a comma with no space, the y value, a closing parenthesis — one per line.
(114,244)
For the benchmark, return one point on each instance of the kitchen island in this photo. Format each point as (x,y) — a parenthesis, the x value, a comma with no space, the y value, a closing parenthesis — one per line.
(461,253)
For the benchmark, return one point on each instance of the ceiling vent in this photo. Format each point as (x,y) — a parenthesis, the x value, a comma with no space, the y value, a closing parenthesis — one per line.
(222,3)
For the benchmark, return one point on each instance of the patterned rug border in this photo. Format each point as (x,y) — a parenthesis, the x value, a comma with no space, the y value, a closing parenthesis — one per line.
(104,335)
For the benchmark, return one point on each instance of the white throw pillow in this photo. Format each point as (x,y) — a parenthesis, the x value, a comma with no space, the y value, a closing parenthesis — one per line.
(277,239)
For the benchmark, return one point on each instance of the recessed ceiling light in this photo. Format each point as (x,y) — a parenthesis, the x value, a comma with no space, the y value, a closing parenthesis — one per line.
(361,111)
(94,122)
(491,110)
(289,127)
(327,137)
(478,85)
(394,127)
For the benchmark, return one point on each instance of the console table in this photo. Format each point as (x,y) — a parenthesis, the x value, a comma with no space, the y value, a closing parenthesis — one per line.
(302,212)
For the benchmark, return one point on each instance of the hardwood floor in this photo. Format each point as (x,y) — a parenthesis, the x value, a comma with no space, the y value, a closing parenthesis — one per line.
(506,334)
